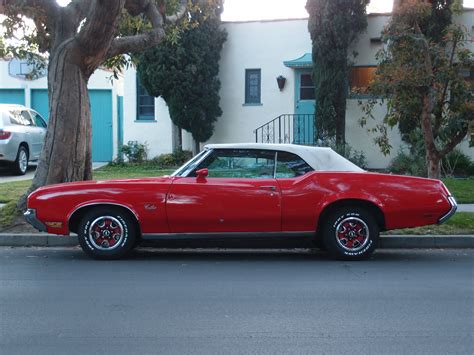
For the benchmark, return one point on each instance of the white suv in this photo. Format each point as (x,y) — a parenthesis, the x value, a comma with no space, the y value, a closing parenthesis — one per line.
(22,132)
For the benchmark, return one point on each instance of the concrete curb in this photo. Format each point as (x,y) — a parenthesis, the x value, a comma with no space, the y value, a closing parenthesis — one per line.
(386,241)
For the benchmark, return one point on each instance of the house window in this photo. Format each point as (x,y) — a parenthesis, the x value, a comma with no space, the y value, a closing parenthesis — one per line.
(252,86)
(145,104)
(360,78)
(307,90)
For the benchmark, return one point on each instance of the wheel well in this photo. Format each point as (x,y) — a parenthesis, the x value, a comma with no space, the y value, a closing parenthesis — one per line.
(24,144)
(77,215)
(369,206)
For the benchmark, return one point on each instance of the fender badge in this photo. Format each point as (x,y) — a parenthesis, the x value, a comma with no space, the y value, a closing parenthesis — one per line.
(54,224)
(150,206)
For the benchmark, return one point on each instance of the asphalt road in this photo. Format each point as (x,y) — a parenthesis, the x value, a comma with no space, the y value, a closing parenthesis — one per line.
(56,301)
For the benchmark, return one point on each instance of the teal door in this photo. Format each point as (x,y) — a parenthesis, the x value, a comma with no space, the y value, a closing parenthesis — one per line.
(101,111)
(303,125)
(39,102)
(12,96)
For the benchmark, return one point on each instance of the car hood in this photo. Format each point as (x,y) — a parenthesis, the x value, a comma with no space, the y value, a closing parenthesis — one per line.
(98,184)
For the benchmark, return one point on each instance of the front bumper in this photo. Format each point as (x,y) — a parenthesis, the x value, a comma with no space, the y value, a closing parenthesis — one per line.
(30,216)
(454,207)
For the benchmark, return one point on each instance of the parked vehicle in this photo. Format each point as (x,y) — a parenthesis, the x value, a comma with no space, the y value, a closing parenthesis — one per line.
(238,191)
(22,132)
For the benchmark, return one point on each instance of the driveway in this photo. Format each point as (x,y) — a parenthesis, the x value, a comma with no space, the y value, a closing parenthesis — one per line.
(6,175)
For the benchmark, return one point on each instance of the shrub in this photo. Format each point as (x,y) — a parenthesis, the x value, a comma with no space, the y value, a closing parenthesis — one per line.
(456,163)
(134,151)
(408,164)
(174,159)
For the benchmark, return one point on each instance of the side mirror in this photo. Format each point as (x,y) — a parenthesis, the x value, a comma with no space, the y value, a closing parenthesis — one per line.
(202,173)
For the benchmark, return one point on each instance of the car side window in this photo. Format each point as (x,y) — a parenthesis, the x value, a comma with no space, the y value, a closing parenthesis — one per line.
(40,122)
(239,163)
(290,165)
(16,118)
(28,121)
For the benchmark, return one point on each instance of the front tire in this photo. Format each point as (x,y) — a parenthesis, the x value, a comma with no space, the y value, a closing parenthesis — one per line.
(107,233)
(20,165)
(351,233)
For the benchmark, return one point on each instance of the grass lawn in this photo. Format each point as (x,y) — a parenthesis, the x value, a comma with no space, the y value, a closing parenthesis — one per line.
(460,223)
(462,189)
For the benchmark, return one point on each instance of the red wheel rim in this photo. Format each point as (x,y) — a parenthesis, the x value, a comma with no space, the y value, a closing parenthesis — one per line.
(352,234)
(106,233)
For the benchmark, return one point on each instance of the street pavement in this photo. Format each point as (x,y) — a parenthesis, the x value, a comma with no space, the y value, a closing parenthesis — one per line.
(57,301)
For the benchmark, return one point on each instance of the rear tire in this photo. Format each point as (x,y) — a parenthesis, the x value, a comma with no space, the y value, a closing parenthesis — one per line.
(107,233)
(351,233)
(20,165)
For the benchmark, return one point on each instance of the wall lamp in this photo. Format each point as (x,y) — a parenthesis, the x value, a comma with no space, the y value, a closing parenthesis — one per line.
(281,80)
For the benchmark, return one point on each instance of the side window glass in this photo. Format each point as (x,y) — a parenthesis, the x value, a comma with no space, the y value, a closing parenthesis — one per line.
(239,163)
(16,118)
(28,121)
(290,165)
(39,121)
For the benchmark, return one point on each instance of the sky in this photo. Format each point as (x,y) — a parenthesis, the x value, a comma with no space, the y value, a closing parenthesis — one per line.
(248,10)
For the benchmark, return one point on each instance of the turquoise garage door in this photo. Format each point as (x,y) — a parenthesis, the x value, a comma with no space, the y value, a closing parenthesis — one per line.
(101,109)
(12,96)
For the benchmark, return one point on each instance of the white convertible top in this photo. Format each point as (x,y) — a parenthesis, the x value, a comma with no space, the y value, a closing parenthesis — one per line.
(319,158)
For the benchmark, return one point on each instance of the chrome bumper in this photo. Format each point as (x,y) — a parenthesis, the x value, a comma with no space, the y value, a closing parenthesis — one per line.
(30,216)
(454,207)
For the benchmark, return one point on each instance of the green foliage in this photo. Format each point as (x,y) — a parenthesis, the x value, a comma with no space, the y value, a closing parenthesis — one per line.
(456,163)
(175,159)
(421,72)
(408,164)
(185,72)
(134,151)
(333,26)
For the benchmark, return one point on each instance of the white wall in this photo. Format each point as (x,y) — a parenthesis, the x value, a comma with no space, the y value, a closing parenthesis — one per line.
(266,45)
(257,45)
(99,80)
(156,134)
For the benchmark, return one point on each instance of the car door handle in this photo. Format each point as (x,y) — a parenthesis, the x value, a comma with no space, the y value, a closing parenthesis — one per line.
(273,188)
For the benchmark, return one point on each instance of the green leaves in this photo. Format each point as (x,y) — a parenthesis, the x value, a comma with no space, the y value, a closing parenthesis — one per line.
(333,26)
(184,71)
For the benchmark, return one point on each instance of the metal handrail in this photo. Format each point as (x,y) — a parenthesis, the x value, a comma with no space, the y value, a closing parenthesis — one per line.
(288,128)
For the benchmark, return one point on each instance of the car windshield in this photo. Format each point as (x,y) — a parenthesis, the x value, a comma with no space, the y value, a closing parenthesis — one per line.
(189,165)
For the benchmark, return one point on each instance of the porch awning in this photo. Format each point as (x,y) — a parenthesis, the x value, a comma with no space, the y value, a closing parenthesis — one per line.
(305,61)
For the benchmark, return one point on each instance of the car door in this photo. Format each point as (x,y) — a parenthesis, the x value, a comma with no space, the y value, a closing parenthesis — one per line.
(239,195)
(38,133)
(32,134)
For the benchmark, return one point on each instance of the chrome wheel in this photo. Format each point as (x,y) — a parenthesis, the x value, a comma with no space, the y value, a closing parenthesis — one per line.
(352,234)
(22,160)
(106,233)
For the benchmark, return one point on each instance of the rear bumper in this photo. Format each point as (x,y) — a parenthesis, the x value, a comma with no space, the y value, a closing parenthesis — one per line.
(454,207)
(30,216)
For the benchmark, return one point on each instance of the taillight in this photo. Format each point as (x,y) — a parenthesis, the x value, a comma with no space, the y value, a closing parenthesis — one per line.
(5,134)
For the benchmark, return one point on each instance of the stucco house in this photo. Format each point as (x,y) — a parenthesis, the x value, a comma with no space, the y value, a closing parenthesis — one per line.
(255,55)
(105,97)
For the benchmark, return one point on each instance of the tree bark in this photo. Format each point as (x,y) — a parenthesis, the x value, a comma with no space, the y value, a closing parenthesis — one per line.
(66,154)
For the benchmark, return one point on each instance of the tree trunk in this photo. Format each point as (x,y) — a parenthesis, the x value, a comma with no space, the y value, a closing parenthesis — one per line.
(432,154)
(67,153)
(196,147)
(177,140)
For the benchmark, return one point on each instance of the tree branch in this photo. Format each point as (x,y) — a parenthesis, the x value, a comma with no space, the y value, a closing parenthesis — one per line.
(455,140)
(77,10)
(136,43)
(29,8)
(95,37)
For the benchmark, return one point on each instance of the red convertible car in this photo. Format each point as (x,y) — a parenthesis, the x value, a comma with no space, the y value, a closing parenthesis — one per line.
(237,191)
